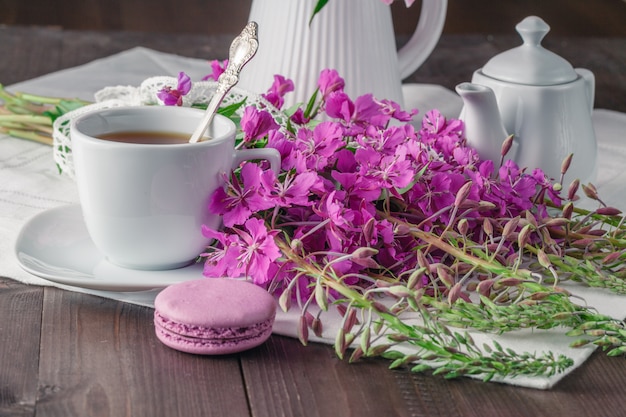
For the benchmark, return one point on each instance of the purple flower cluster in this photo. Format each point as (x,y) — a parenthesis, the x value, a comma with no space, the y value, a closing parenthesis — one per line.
(344,177)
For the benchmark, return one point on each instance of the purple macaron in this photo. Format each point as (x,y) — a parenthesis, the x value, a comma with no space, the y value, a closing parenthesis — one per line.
(214,316)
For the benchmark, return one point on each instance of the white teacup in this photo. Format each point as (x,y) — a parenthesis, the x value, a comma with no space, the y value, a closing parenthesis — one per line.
(144,204)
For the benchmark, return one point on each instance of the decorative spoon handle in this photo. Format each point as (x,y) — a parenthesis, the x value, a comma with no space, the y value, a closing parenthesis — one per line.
(242,49)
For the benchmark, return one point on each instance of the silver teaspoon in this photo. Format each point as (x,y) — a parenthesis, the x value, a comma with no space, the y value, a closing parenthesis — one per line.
(242,49)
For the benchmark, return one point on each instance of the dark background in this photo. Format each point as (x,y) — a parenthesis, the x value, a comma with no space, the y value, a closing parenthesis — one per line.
(602,18)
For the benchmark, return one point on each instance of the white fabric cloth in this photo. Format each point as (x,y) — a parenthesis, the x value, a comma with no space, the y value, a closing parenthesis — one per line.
(30,184)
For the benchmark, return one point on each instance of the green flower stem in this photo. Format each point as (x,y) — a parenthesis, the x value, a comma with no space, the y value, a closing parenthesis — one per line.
(26,118)
(32,98)
(30,116)
(583,271)
(444,352)
(572,235)
(490,266)
(28,135)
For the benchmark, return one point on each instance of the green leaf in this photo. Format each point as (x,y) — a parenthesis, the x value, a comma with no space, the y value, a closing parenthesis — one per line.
(311,104)
(318,7)
(231,109)
(65,106)
(69,105)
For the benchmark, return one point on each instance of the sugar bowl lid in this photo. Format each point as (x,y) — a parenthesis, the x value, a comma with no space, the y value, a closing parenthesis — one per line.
(530,63)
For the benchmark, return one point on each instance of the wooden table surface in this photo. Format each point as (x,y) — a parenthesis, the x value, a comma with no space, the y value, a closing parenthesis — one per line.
(67,354)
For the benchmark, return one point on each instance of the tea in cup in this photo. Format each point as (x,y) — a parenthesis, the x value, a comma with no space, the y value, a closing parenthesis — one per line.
(144,189)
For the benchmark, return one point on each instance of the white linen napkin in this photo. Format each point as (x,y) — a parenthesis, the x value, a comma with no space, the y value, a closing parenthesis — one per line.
(30,184)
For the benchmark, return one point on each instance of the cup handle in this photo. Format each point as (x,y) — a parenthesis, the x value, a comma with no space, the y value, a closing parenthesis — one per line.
(269,154)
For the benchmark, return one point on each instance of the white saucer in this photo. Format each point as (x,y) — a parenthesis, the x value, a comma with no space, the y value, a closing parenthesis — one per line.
(55,245)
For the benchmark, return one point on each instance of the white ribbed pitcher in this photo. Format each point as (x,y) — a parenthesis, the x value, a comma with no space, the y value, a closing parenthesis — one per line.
(355,37)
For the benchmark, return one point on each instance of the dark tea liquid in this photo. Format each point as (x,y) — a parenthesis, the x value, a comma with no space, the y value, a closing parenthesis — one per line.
(147,137)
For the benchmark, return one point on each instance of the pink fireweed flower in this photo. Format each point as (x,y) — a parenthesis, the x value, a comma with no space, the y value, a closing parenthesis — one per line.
(174,97)
(543,181)
(387,141)
(299,118)
(394,110)
(217,68)
(434,123)
(277,140)
(369,111)
(329,82)
(339,106)
(221,256)
(351,180)
(293,190)
(276,94)
(364,111)
(237,203)
(437,193)
(357,186)
(256,123)
(387,171)
(332,209)
(257,250)
(316,149)
(519,193)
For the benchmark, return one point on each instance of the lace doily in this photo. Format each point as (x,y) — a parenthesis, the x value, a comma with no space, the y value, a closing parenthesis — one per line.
(146,95)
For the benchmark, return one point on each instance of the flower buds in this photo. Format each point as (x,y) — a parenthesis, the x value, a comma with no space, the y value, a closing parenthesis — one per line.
(590,191)
(363,256)
(463,227)
(573,189)
(608,211)
(445,276)
(488,227)
(566,163)
(321,297)
(349,320)
(568,210)
(284,301)
(462,194)
(524,235)
(611,257)
(506,145)
(303,331)
(543,259)
(510,227)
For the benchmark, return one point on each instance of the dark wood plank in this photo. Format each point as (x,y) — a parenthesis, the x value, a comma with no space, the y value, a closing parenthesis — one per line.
(283,375)
(20,310)
(566,17)
(21,50)
(191,16)
(590,390)
(101,358)
(80,47)
(312,381)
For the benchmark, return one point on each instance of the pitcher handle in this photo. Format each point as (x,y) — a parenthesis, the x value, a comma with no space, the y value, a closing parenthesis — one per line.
(425,38)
